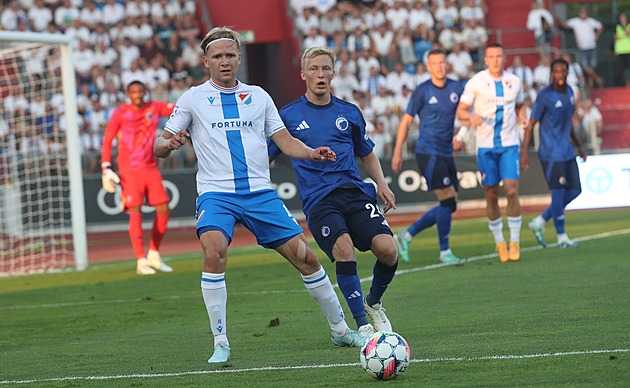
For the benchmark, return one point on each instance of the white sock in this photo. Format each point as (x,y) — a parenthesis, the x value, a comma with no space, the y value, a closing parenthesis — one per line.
(496,227)
(562,237)
(320,288)
(540,221)
(406,235)
(444,253)
(214,293)
(514,224)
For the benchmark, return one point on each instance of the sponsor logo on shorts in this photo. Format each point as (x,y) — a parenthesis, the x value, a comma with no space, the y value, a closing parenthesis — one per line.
(325,231)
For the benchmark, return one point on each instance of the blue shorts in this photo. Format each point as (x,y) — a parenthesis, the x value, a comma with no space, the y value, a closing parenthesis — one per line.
(346,210)
(498,163)
(262,212)
(588,58)
(439,171)
(562,175)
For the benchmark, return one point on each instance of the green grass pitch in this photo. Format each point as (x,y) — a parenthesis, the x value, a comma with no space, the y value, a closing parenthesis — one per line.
(558,317)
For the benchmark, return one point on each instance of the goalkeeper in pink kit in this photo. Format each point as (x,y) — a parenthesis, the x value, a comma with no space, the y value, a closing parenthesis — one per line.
(135,125)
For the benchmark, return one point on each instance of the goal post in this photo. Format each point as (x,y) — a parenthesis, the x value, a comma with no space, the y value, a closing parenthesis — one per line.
(42,211)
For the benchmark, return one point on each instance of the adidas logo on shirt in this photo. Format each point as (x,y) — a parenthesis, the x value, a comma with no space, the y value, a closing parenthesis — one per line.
(558,104)
(303,125)
(433,100)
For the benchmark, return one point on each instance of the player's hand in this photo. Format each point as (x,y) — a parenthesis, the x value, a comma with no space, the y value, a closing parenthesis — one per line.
(110,179)
(397,162)
(582,154)
(457,144)
(524,161)
(323,154)
(475,121)
(387,196)
(178,140)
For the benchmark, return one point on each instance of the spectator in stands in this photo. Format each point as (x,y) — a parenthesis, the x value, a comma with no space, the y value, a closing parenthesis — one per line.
(422,40)
(113,12)
(79,32)
(405,45)
(622,50)
(542,71)
(134,73)
(40,16)
(447,14)
(156,76)
(100,35)
(346,61)
(461,62)
(11,16)
(421,75)
(475,37)
(165,29)
(188,7)
(148,50)
(575,78)
(116,33)
(398,16)
(587,30)
(83,60)
(522,71)
(314,39)
(90,15)
(112,97)
(397,78)
(344,83)
(540,21)
(191,55)
(373,82)
(135,8)
(374,17)
(353,20)
(380,137)
(382,39)
(178,87)
(365,62)
(358,41)
(338,42)
(592,123)
(421,14)
(129,53)
(449,36)
(171,52)
(306,21)
(330,23)
(471,11)
(384,107)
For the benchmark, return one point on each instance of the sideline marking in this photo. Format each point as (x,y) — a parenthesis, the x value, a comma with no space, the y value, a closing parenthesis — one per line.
(266,368)
(363,280)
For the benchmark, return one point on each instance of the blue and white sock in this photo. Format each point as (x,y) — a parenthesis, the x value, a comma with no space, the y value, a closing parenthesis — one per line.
(214,292)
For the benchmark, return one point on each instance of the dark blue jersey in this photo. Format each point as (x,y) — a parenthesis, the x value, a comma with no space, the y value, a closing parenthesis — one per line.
(338,125)
(436,109)
(554,111)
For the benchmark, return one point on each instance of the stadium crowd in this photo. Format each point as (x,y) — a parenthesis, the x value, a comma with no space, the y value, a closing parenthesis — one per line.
(381,48)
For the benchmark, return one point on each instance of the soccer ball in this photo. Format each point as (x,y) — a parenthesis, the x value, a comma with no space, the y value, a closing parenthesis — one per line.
(385,355)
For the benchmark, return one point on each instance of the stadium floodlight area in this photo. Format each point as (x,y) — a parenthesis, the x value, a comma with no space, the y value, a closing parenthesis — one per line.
(42,211)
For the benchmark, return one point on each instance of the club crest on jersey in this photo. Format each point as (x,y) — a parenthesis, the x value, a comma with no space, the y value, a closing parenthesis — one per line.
(174,110)
(325,231)
(508,84)
(454,97)
(149,115)
(341,123)
(246,98)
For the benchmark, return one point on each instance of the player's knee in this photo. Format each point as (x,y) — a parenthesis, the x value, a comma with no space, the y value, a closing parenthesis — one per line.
(511,193)
(449,203)
(343,250)
(384,249)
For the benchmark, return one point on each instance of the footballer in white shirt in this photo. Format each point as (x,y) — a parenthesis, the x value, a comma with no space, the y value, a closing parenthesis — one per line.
(228,123)
(496,97)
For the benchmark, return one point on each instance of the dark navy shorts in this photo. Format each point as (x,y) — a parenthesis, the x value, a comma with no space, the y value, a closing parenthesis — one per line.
(439,171)
(562,175)
(346,210)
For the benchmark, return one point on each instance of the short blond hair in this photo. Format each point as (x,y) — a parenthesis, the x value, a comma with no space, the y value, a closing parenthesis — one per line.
(315,52)
(219,33)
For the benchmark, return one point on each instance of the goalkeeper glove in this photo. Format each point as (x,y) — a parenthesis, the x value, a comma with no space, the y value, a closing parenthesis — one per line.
(109,177)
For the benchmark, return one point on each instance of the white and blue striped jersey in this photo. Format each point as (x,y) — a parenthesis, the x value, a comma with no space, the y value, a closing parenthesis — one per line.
(495,101)
(229,130)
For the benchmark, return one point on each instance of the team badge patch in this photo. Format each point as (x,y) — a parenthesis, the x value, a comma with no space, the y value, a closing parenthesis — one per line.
(446,181)
(562,180)
(246,98)
(149,115)
(341,123)
(325,231)
(454,97)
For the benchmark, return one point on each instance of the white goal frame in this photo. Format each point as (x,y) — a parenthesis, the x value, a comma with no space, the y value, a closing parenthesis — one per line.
(79,235)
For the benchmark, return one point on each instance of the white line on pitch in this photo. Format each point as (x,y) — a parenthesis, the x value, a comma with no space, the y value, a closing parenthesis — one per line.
(363,280)
(276,368)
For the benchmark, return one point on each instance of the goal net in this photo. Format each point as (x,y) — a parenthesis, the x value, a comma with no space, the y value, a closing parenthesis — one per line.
(42,220)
